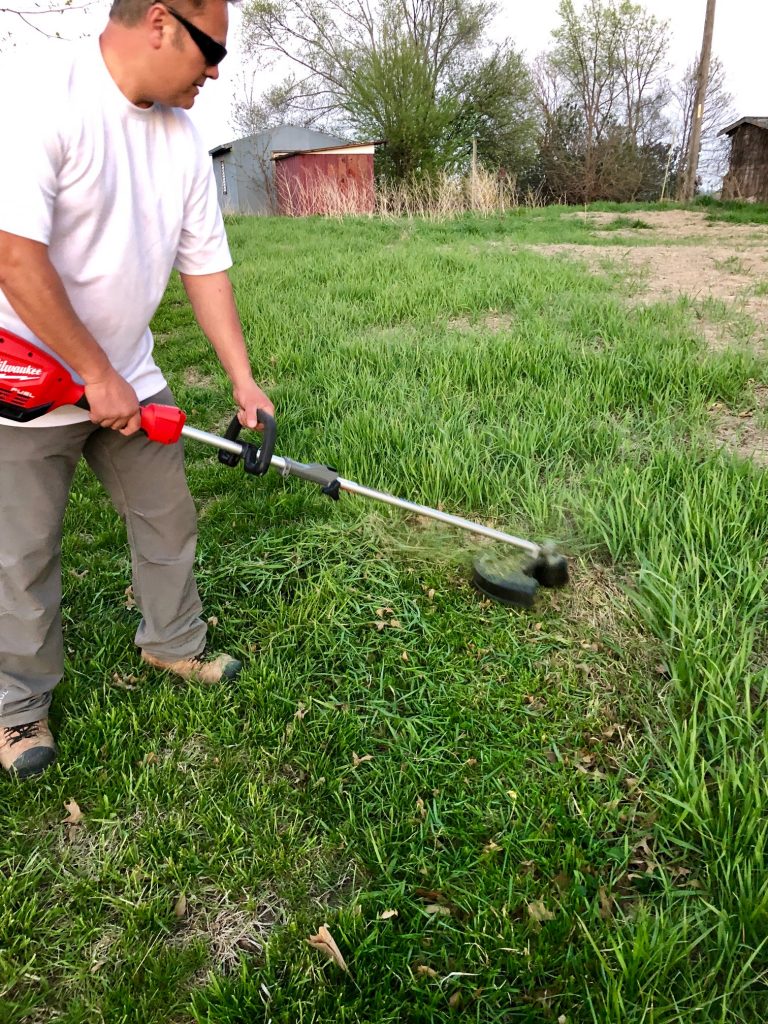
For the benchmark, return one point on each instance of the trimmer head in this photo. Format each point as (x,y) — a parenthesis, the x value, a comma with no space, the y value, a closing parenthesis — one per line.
(518,586)
(550,568)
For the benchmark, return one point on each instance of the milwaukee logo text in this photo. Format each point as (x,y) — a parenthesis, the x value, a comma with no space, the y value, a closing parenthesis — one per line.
(12,371)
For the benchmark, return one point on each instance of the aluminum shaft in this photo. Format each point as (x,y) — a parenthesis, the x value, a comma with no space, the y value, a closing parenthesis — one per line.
(441,517)
(288,467)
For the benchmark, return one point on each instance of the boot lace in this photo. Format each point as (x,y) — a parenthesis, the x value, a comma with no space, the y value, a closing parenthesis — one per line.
(16,733)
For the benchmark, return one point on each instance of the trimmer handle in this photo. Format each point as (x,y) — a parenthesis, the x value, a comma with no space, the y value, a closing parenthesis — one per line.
(256,460)
(162,423)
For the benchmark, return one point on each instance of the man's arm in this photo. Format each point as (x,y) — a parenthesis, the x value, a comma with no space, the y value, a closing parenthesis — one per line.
(34,289)
(213,303)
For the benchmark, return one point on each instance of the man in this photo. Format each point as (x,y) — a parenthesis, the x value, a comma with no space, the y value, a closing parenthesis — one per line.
(104,189)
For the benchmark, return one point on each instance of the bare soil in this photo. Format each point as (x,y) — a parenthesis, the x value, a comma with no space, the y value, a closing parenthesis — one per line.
(721,268)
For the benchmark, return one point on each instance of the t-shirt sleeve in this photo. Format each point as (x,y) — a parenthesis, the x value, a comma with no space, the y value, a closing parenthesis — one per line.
(203,246)
(31,163)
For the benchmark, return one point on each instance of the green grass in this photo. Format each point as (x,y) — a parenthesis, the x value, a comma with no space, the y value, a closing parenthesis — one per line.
(566,806)
(734,211)
(626,224)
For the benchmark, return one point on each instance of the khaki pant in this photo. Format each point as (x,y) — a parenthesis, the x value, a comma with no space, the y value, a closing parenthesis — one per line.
(148,487)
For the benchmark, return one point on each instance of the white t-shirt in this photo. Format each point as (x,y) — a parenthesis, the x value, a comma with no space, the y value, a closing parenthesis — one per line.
(120,195)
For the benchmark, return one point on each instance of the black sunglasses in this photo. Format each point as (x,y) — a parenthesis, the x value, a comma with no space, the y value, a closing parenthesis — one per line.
(213,52)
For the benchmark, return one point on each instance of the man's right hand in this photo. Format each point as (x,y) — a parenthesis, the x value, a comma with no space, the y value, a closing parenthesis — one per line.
(113,403)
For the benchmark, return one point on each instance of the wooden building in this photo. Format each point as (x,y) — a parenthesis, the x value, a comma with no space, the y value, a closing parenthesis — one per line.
(747,176)
(244,169)
(331,180)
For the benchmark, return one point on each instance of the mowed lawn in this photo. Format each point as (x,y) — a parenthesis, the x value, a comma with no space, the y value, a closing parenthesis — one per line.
(556,814)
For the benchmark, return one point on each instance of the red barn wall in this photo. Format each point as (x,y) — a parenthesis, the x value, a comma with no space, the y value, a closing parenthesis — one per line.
(321,183)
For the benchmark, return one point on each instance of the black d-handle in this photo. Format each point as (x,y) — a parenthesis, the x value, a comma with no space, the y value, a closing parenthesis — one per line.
(256,459)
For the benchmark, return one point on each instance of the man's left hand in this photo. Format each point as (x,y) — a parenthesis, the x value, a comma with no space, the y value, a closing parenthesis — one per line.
(249,397)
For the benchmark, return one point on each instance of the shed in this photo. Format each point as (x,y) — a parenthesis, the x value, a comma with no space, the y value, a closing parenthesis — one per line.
(244,169)
(747,176)
(331,179)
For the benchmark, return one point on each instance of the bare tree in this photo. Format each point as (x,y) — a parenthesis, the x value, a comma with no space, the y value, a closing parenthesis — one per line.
(718,112)
(33,17)
(601,93)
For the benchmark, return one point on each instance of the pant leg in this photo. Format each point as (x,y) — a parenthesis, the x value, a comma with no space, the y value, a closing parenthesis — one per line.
(148,486)
(36,469)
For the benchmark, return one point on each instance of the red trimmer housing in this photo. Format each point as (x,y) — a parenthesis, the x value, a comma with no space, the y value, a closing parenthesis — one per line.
(32,383)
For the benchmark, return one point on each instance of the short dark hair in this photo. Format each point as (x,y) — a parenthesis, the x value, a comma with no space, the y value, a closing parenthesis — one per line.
(130,12)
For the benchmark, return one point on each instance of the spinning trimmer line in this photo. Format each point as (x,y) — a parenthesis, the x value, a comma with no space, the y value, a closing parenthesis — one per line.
(32,383)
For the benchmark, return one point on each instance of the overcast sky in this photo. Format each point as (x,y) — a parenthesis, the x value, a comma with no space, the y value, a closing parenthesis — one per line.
(741,31)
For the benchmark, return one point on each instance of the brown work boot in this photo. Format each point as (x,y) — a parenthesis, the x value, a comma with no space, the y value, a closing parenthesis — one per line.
(203,668)
(27,749)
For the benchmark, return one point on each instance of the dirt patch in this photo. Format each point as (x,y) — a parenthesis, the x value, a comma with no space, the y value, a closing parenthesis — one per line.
(194,378)
(699,259)
(492,321)
(743,434)
(228,926)
(673,223)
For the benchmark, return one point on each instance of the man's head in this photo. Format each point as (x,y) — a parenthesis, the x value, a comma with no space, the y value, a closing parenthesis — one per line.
(163,52)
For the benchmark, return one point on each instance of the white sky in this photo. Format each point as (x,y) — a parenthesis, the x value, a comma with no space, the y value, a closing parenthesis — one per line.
(741,31)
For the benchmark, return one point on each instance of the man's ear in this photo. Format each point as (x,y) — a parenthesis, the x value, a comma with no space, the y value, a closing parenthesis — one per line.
(157,21)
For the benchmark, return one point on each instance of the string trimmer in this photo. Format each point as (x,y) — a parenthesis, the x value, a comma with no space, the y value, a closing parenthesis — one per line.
(32,383)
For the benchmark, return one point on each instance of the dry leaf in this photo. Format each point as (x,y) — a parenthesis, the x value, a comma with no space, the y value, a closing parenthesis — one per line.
(437,908)
(491,847)
(386,914)
(455,1001)
(539,912)
(562,1019)
(431,593)
(395,623)
(606,903)
(150,758)
(421,807)
(129,601)
(123,682)
(380,625)
(359,760)
(180,906)
(74,814)
(325,943)
(429,971)
(300,712)
(404,655)
(381,612)
(213,621)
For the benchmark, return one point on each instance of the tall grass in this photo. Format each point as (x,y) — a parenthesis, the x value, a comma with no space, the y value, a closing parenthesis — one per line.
(437,197)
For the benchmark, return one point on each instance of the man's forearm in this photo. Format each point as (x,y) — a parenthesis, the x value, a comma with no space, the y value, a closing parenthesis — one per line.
(213,303)
(34,289)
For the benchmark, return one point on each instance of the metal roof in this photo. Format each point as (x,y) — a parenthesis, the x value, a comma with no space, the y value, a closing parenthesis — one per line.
(328,149)
(758,122)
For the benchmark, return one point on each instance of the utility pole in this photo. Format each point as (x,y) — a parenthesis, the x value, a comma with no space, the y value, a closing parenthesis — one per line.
(473,186)
(688,183)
